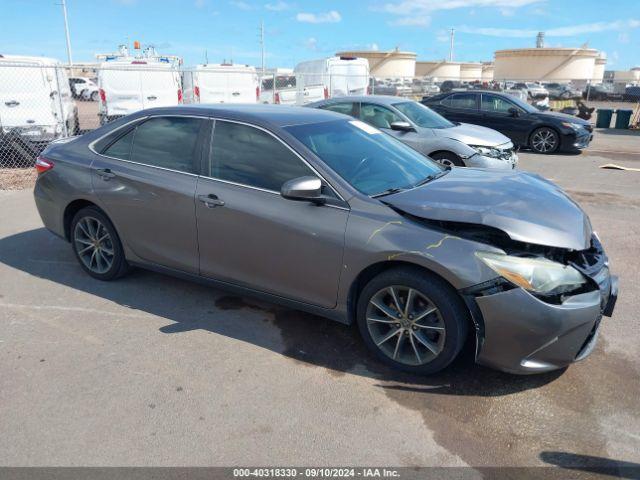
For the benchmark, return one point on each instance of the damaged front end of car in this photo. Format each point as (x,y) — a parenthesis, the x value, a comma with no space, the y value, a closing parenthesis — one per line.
(543,310)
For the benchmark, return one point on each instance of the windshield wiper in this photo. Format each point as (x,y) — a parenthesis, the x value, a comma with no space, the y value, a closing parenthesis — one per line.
(432,177)
(389,191)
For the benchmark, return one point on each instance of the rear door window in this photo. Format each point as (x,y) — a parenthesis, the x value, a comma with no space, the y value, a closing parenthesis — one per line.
(249,156)
(168,142)
(466,101)
(121,148)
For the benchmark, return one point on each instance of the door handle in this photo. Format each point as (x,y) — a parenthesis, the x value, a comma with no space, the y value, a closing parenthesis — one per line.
(211,200)
(105,173)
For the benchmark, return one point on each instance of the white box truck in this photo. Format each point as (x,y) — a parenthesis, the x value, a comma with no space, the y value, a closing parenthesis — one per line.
(129,84)
(331,77)
(221,83)
(36,104)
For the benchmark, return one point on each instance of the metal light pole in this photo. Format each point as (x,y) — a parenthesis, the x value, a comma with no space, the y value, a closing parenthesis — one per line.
(262,45)
(66,31)
(451,45)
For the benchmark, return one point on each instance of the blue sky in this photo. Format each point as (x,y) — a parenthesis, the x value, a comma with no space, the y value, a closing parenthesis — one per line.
(303,29)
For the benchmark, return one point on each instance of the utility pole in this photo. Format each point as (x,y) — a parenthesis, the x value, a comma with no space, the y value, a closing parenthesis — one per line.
(452,35)
(262,45)
(66,31)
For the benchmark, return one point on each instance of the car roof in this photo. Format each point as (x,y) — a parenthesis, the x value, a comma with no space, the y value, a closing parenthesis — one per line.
(377,99)
(258,114)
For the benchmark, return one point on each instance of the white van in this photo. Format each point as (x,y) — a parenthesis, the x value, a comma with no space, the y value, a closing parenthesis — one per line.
(221,83)
(331,77)
(35,100)
(127,85)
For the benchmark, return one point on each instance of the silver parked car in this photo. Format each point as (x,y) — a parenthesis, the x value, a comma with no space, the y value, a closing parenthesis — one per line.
(452,144)
(327,214)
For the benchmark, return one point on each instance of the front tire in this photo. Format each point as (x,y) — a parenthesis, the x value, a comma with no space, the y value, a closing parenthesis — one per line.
(412,320)
(96,245)
(544,140)
(448,159)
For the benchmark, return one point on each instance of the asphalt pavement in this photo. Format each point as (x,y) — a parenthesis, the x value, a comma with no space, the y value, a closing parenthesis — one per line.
(153,370)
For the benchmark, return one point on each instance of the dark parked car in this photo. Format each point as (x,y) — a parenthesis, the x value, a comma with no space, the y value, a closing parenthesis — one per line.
(450,85)
(631,94)
(324,213)
(525,125)
(601,92)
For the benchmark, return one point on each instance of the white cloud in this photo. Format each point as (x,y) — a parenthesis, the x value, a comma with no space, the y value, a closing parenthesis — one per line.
(200,3)
(374,47)
(569,31)
(311,43)
(329,17)
(278,6)
(423,21)
(241,5)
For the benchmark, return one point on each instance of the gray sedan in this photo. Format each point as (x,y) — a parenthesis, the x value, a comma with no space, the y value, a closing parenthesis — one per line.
(453,144)
(324,213)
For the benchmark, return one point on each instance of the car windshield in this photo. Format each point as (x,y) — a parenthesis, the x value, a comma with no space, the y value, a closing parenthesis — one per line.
(423,116)
(371,161)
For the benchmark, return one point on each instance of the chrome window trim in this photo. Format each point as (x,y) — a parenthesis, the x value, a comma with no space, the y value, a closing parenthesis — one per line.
(215,119)
(202,117)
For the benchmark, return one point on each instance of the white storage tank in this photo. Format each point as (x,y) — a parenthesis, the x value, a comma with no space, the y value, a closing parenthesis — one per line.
(487,71)
(546,64)
(392,63)
(470,72)
(440,70)
(598,69)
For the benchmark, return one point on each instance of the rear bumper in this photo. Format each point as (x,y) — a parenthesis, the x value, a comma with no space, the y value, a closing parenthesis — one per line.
(523,334)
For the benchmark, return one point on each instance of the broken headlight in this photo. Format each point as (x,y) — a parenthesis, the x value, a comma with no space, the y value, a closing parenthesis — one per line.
(487,151)
(537,275)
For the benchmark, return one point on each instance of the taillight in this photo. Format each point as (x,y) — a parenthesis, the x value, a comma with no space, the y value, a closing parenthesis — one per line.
(277,99)
(179,96)
(103,96)
(257,94)
(196,91)
(326,92)
(43,164)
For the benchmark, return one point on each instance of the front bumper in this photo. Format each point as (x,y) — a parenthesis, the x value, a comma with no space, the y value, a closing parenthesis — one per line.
(576,140)
(523,334)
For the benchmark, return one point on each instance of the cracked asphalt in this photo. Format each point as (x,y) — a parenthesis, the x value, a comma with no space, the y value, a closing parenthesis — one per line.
(153,370)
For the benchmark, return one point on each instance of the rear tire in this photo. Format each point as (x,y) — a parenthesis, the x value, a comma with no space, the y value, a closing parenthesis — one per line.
(431,331)
(449,159)
(94,96)
(97,246)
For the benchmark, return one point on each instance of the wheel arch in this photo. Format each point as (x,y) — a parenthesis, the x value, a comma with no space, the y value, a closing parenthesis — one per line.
(377,268)
(70,211)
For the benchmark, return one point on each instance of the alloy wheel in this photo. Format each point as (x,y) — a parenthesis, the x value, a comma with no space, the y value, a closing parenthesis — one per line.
(94,245)
(405,325)
(544,140)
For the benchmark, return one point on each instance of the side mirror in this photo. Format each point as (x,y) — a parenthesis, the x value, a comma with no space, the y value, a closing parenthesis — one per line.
(402,127)
(513,111)
(303,188)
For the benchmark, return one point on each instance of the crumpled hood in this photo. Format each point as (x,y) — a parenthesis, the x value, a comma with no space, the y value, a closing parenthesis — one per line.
(473,135)
(525,206)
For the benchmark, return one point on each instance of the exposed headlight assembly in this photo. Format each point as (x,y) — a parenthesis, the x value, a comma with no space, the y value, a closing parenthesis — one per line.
(537,275)
(487,151)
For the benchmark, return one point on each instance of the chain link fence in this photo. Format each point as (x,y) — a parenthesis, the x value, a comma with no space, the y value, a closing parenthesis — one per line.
(44,102)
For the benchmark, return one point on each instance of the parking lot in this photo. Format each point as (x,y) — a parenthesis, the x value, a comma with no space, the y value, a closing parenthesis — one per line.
(152,370)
